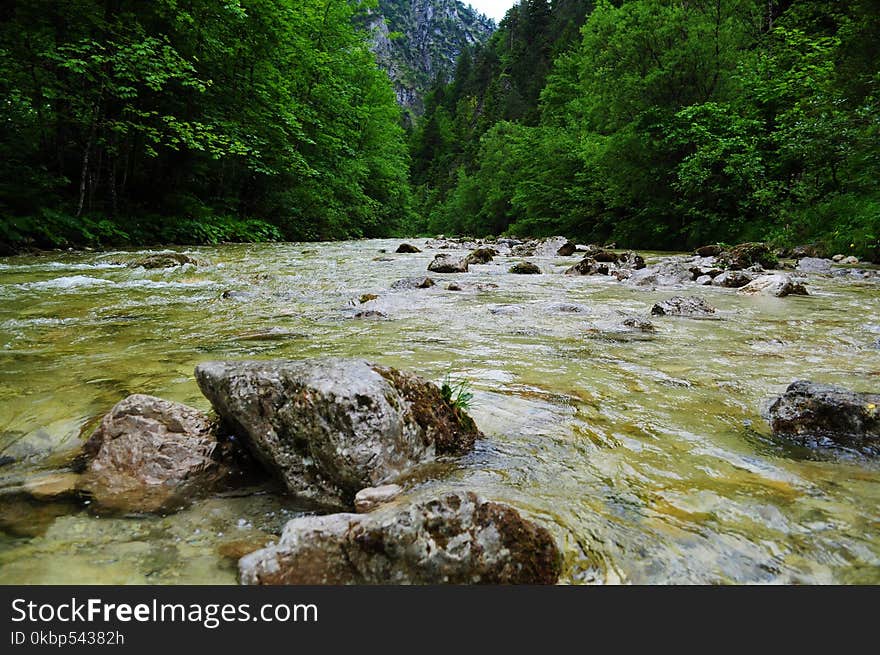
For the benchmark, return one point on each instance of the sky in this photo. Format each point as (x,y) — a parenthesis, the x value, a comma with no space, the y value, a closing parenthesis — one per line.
(492,8)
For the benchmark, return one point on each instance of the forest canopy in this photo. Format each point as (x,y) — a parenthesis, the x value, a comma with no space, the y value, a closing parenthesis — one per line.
(651,123)
(662,124)
(195,122)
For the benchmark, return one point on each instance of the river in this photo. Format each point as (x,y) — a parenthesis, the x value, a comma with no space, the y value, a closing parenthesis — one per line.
(647,459)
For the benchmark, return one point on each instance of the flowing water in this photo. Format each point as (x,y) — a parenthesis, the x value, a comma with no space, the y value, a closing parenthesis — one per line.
(648,459)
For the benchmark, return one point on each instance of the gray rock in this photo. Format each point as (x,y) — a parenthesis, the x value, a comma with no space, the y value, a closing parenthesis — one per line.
(407,248)
(818,415)
(448,264)
(505,310)
(850,260)
(732,279)
(704,280)
(686,306)
(778,285)
(151,455)
(331,427)
(164,260)
(667,273)
(366,500)
(814,265)
(550,247)
(838,258)
(413,283)
(456,538)
(566,308)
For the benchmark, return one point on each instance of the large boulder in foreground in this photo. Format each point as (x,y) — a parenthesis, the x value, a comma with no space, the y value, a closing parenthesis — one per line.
(818,415)
(456,538)
(331,427)
(151,455)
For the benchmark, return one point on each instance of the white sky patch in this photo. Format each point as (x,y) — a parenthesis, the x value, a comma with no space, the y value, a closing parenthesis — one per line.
(492,8)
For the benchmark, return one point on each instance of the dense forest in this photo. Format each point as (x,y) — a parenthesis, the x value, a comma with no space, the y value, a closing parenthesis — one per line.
(651,123)
(194,122)
(662,124)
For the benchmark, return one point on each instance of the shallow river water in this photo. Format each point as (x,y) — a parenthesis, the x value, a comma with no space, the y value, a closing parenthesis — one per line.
(648,459)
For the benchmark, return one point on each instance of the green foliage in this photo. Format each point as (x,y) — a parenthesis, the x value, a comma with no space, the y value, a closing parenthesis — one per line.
(457,395)
(195,122)
(671,125)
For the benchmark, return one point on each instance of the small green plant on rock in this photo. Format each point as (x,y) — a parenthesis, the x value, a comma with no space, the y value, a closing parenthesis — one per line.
(457,394)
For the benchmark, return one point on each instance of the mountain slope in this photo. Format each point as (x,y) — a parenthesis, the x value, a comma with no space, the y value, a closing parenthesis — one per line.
(418,40)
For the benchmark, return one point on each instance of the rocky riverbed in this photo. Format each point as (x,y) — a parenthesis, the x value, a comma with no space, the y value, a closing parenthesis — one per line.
(622,413)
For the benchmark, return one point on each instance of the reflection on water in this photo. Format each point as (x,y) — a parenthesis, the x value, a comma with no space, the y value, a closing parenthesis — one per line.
(646,456)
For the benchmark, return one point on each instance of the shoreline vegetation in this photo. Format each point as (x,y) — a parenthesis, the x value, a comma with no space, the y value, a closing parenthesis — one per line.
(647,123)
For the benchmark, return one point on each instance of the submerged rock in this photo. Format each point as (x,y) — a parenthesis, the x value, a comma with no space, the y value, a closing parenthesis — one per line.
(566,308)
(627,328)
(331,427)
(687,306)
(456,538)
(779,285)
(413,283)
(151,455)
(407,248)
(448,264)
(525,268)
(819,415)
(52,486)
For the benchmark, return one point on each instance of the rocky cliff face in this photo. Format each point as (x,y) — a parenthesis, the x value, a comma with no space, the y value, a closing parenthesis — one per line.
(417,40)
